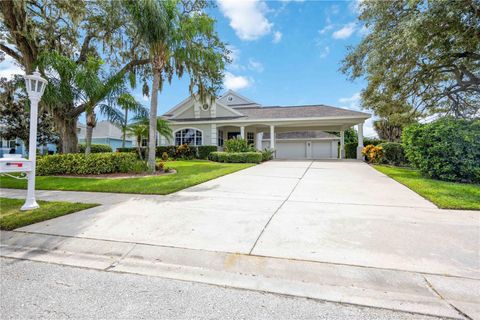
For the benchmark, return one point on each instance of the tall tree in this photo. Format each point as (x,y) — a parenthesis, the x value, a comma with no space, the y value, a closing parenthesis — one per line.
(179,37)
(420,56)
(74,29)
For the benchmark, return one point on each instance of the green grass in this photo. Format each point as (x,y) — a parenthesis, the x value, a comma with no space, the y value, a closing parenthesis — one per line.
(446,195)
(11,217)
(189,173)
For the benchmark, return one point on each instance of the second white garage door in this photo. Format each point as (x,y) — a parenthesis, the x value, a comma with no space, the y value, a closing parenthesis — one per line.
(306,149)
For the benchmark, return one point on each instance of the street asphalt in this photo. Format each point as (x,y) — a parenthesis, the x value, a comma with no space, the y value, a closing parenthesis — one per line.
(36,290)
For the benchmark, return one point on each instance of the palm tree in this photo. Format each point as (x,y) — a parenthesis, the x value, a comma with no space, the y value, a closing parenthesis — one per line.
(179,37)
(139,131)
(128,103)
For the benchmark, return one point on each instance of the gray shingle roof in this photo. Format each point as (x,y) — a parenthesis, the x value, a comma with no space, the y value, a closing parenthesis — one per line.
(307,111)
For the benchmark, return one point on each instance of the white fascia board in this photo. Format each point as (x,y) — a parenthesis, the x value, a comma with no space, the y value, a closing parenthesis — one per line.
(179,105)
(230,91)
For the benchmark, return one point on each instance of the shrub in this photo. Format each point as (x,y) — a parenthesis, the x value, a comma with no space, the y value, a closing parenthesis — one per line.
(185,152)
(236,157)
(351,150)
(267,154)
(446,149)
(170,150)
(164,156)
(143,151)
(393,154)
(373,153)
(372,141)
(95,148)
(95,163)
(159,165)
(238,145)
(204,151)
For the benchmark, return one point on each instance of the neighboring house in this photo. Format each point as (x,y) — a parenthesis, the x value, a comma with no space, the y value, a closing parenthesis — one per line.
(294,132)
(104,132)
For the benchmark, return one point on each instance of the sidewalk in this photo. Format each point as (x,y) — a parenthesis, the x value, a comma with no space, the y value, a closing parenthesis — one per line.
(428,294)
(103,198)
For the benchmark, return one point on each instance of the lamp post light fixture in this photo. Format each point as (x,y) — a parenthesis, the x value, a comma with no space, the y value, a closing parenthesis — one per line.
(35,87)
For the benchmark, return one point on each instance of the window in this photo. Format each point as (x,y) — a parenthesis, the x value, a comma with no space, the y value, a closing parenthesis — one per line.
(188,136)
(220,138)
(250,137)
(144,142)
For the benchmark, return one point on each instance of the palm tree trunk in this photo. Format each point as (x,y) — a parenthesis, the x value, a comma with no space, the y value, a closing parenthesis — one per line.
(139,147)
(89,132)
(153,121)
(125,122)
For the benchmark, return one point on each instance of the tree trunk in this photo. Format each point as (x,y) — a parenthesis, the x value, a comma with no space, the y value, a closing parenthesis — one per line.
(91,121)
(125,123)
(139,147)
(67,131)
(153,121)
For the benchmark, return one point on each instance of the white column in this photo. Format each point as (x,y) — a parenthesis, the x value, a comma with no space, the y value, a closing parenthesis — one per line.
(30,202)
(259,140)
(342,144)
(360,141)
(242,132)
(214,140)
(272,137)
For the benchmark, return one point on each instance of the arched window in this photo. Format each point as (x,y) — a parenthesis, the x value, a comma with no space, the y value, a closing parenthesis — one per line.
(191,137)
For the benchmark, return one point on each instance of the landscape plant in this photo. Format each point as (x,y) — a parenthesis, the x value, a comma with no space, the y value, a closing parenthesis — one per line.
(238,145)
(446,149)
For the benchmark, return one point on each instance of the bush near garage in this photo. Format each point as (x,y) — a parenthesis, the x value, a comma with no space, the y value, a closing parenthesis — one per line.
(236,157)
(446,149)
(393,154)
(351,147)
(95,148)
(267,154)
(95,163)
(373,154)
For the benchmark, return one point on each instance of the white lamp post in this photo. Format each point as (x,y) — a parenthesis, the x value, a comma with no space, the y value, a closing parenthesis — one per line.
(35,88)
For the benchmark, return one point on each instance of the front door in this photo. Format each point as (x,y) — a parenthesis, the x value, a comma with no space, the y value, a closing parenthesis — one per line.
(309,149)
(232,135)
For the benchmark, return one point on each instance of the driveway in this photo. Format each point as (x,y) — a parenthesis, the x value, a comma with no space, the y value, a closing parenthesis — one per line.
(341,212)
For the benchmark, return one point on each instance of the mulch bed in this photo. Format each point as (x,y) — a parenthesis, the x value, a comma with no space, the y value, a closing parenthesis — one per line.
(119,175)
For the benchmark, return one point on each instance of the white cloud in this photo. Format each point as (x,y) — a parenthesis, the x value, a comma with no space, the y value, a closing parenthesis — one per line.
(345,32)
(234,82)
(247,17)
(255,65)
(325,52)
(353,103)
(277,37)
(9,67)
(325,29)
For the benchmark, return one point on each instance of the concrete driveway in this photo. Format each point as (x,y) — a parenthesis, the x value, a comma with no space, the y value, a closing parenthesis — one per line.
(341,212)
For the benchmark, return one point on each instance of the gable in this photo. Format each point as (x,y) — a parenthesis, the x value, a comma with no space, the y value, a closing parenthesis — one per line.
(235,100)
(193,109)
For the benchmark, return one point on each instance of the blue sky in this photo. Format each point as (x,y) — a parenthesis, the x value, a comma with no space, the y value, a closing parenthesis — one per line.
(284,53)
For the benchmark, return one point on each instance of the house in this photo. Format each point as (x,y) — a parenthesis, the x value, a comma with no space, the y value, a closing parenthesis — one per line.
(294,132)
(105,132)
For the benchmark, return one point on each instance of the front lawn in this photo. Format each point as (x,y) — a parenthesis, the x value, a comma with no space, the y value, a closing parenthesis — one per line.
(446,195)
(189,173)
(11,217)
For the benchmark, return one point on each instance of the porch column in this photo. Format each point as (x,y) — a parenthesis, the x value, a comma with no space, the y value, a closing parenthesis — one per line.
(342,144)
(272,137)
(259,140)
(213,135)
(360,141)
(242,132)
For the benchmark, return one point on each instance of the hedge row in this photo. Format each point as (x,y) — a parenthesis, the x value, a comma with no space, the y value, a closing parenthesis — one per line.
(236,157)
(95,148)
(95,163)
(393,154)
(446,149)
(175,152)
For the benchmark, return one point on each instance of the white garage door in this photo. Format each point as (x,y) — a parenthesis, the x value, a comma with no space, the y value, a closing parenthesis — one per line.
(306,149)
(291,150)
